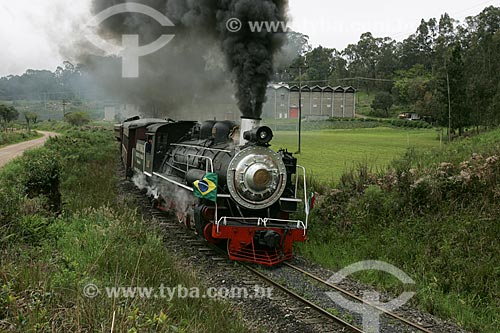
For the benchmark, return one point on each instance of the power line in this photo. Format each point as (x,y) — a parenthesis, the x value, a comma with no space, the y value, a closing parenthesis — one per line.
(365,79)
(346,79)
(472,7)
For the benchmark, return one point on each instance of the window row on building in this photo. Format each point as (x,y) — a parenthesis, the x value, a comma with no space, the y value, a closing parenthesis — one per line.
(317,102)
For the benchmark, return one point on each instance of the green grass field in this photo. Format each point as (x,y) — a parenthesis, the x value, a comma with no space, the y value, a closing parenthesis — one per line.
(327,154)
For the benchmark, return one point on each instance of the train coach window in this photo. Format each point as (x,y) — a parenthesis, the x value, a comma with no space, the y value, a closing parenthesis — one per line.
(149,144)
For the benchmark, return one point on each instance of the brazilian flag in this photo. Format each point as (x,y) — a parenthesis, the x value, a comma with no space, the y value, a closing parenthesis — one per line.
(206,188)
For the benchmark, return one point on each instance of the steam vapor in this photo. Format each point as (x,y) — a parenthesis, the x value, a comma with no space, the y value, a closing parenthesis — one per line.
(190,68)
(182,199)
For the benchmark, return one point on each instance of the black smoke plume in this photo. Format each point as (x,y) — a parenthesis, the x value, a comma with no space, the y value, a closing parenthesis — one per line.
(193,69)
(250,54)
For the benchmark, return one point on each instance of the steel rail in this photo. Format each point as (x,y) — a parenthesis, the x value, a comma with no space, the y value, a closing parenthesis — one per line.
(347,293)
(303,300)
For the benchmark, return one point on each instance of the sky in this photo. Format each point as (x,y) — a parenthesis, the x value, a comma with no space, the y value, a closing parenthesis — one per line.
(33,31)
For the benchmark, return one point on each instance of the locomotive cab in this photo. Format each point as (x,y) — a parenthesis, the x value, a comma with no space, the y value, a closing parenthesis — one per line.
(153,143)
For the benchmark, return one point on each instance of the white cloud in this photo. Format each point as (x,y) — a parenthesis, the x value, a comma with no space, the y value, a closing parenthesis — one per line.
(32,31)
(339,23)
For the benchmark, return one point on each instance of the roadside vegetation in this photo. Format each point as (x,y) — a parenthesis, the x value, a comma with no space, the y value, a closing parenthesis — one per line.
(9,131)
(63,224)
(16,135)
(435,214)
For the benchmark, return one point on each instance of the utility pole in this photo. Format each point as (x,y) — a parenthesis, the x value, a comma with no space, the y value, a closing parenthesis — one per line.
(449,106)
(300,67)
(64,103)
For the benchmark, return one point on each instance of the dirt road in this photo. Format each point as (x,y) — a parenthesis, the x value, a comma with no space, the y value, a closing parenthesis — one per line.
(15,150)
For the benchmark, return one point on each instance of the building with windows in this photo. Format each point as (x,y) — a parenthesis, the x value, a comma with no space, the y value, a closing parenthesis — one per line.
(317,102)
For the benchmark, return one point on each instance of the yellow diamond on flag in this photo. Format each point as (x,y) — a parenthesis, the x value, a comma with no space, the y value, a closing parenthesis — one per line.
(206,188)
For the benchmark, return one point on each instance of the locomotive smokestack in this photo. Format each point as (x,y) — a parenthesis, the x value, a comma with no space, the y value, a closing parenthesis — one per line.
(247,124)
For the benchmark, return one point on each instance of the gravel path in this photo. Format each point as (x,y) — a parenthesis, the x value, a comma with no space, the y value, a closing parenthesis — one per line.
(10,152)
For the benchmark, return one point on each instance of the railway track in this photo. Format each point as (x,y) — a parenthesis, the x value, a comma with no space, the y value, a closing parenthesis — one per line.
(219,256)
(357,298)
(325,313)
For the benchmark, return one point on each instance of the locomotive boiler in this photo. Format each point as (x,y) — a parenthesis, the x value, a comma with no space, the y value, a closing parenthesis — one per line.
(223,181)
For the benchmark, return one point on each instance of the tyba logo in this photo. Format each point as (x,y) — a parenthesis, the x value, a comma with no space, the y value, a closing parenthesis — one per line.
(130,51)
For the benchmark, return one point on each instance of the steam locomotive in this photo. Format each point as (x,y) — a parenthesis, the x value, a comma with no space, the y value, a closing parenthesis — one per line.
(222,180)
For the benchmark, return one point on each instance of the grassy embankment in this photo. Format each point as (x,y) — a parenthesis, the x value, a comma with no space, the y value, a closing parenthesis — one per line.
(435,214)
(49,251)
(16,136)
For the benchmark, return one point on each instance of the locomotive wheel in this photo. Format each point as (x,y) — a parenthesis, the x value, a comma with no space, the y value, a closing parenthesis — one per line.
(207,234)
(199,223)
(187,221)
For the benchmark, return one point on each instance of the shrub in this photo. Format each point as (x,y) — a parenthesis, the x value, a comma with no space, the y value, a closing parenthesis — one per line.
(9,208)
(382,103)
(42,177)
(34,229)
(77,118)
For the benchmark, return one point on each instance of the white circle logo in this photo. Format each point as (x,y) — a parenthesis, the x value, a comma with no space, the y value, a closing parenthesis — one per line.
(369,311)
(129,51)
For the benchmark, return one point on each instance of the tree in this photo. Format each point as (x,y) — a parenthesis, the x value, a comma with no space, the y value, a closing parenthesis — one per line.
(411,85)
(460,111)
(386,61)
(480,38)
(383,102)
(419,47)
(361,57)
(296,46)
(319,62)
(77,118)
(372,58)
(31,117)
(8,113)
(339,69)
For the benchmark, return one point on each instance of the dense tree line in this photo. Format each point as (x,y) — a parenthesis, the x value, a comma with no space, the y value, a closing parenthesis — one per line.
(67,82)
(443,58)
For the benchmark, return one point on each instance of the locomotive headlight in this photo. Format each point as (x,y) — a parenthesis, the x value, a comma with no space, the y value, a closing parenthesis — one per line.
(256,177)
(263,135)
(260,135)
